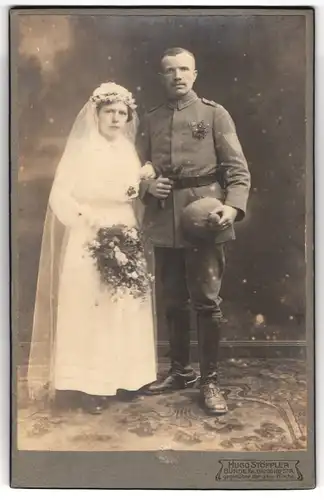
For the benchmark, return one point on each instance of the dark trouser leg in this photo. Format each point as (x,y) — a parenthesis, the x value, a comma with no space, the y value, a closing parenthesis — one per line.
(179,328)
(175,297)
(205,269)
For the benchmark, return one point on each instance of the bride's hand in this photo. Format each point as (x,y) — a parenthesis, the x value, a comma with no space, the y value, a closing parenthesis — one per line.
(147,171)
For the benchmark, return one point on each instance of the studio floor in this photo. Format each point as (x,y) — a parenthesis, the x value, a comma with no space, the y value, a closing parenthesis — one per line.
(267,402)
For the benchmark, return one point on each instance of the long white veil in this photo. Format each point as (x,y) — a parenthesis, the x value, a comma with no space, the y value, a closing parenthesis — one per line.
(81,144)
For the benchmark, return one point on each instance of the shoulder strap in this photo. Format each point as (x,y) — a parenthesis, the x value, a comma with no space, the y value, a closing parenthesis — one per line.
(208,102)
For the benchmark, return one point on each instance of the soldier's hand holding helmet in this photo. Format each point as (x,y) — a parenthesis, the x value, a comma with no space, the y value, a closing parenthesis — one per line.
(222,217)
(213,219)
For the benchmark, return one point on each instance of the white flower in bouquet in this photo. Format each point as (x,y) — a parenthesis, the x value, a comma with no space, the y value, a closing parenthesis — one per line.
(134,275)
(147,171)
(132,233)
(95,244)
(121,258)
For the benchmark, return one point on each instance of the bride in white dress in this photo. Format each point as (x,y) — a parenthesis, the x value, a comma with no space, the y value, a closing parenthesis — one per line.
(82,339)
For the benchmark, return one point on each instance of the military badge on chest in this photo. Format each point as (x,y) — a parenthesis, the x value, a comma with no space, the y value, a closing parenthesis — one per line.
(199,129)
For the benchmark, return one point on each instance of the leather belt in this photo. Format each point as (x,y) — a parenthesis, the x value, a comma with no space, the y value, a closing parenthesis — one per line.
(192,182)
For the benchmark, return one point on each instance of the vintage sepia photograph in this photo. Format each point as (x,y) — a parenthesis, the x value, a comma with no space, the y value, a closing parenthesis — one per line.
(161,170)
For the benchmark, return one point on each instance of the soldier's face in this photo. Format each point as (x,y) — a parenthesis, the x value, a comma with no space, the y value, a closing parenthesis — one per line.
(178,74)
(111,119)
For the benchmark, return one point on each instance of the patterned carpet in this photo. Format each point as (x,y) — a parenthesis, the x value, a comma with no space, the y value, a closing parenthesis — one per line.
(267,411)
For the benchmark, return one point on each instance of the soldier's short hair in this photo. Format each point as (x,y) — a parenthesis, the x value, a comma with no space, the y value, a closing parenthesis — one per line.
(174,51)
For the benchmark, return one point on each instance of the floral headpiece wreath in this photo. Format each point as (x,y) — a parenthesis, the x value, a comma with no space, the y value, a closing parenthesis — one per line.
(111,92)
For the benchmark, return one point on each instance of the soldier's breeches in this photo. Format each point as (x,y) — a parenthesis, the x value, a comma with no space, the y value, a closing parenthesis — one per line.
(191,275)
(204,270)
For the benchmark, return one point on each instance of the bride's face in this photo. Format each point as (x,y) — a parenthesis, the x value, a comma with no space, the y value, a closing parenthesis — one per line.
(111,119)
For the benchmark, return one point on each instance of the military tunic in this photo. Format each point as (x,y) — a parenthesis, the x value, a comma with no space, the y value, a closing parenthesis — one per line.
(192,137)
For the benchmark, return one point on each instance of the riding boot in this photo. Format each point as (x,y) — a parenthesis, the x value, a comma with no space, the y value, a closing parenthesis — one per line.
(209,332)
(181,375)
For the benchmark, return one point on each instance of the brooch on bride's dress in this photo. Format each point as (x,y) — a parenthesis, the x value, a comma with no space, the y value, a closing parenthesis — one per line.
(131,192)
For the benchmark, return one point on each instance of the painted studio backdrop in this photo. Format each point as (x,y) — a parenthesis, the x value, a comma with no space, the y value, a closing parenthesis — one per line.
(255,67)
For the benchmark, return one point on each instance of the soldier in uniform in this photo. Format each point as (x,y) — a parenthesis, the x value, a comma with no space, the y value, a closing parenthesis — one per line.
(192,144)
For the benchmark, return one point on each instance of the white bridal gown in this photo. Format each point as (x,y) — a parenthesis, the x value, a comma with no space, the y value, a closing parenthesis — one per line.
(100,345)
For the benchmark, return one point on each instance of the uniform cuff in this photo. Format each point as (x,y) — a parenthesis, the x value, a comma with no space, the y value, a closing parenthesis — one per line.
(235,201)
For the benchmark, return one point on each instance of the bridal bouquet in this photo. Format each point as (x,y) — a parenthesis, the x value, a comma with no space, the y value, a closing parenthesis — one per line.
(119,257)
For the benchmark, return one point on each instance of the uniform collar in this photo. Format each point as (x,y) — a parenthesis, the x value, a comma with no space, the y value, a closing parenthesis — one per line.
(185,101)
